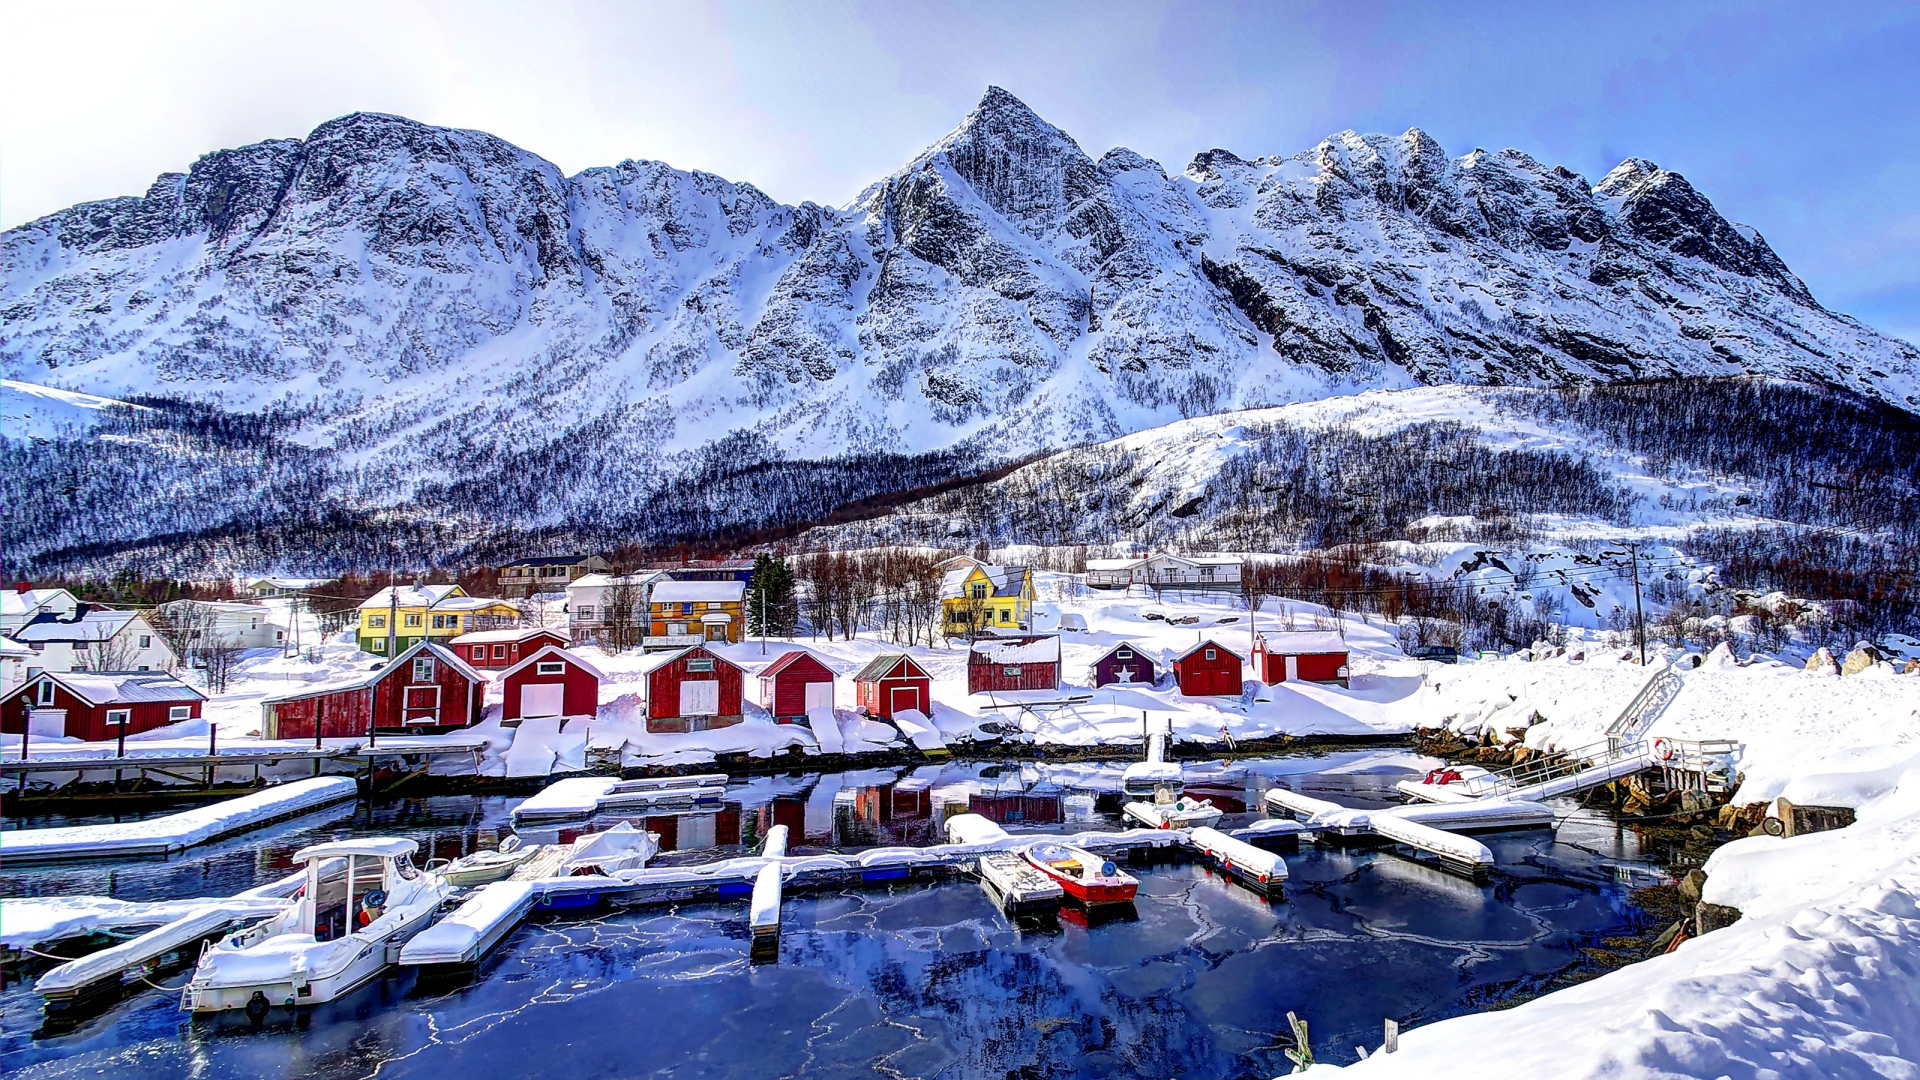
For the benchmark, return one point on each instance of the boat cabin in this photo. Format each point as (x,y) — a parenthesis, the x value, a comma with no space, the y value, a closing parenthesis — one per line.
(349,883)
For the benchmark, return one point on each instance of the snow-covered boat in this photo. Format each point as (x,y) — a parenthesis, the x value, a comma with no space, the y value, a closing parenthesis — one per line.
(482,867)
(1149,776)
(1091,879)
(1182,813)
(362,900)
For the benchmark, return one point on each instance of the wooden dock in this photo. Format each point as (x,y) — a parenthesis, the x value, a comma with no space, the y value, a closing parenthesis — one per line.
(160,837)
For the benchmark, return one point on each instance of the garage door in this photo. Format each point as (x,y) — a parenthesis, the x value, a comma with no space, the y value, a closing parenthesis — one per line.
(422,705)
(542,699)
(700,698)
(819,696)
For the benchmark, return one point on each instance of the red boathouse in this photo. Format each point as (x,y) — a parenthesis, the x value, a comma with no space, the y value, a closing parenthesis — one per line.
(493,650)
(551,682)
(1300,657)
(97,705)
(892,682)
(1126,664)
(1209,669)
(425,690)
(692,689)
(795,685)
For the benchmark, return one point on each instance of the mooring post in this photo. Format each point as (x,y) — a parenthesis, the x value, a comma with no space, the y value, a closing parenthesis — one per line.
(1392,1042)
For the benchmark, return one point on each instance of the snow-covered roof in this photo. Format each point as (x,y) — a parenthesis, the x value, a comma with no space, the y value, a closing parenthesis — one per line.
(1029,650)
(552,560)
(410,596)
(389,847)
(1210,644)
(15,602)
(1148,654)
(601,581)
(879,666)
(655,661)
(123,687)
(85,626)
(788,659)
(1006,580)
(285,582)
(488,637)
(10,647)
(472,603)
(435,649)
(1302,642)
(694,592)
(554,652)
(1113,564)
(224,607)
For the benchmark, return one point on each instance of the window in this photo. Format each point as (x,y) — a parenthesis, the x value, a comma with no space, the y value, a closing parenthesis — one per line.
(146,641)
(1010,672)
(586,613)
(979,592)
(439,622)
(423,669)
(686,609)
(413,620)
(1123,654)
(177,713)
(379,644)
(675,628)
(1005,615)
(1211,655)
(700,663)
(479,652)
(550,667)
(376,620)
(46,692)
(119,716)
(499,651)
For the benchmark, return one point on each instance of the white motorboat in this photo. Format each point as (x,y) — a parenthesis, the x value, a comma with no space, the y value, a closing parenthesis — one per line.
(1180,813)
(482,867)
(622,847)
(362,900)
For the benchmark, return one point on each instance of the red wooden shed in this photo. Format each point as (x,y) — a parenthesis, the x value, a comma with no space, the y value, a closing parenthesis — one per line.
(892,682)
(1030,662)
(795,685)
(97,705)
(1125,664)
(1209,669)
(551,682)
(495,649)
(1300,657)
(426,689)
(692,689)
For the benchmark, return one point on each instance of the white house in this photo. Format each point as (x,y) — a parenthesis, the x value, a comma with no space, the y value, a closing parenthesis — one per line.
(245,626)
(587,600)
(95,639)
(16,660)
(19,605)
(1215,572)
(269,587)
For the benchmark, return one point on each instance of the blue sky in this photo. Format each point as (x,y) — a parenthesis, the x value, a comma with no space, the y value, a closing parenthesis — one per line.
(1798,119)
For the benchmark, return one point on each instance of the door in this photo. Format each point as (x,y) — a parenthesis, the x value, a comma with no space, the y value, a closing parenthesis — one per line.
(422,705)
(700,698)
(904,697)
(819,696)
(543,699)
(1293,669)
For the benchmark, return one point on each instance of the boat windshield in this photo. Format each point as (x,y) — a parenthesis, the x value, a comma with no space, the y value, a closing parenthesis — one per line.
(369,889)
(329,899)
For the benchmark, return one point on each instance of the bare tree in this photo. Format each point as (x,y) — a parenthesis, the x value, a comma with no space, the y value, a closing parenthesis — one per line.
(622,623)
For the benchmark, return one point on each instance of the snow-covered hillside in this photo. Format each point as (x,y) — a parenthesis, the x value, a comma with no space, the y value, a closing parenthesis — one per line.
(454,322)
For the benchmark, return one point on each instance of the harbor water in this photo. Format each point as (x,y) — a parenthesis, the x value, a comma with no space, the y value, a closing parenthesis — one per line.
(917,980)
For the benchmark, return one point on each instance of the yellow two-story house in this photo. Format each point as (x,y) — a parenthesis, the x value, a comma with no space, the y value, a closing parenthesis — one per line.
(985,599)
(428,613)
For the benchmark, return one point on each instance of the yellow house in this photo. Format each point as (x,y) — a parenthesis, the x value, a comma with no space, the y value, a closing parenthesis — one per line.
(428,613)
(986,598)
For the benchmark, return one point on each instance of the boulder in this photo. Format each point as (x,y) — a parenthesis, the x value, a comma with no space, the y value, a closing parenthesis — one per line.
(1860,659)
(1691,885)
(1822,661)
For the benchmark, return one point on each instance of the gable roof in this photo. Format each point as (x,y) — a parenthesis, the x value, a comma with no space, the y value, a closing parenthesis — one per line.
(655,661)
(602,581)
(86,625)
(881,666)
(1007,581)
(10,647)
(1302,643)
(1150,657)
(691,592)
(1209,643)
(488,637)
(412,596)
(1113,564)
(553,652)
(118,687)
(788,659)
(286,582)
(1041,649)
(472,603)
(15,602)
(554,560)
(434,649)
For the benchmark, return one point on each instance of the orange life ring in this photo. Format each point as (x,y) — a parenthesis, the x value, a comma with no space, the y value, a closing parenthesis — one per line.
(1664,749)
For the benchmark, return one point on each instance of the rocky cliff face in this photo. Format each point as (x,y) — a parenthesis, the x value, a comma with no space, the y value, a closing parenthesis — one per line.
(442,309)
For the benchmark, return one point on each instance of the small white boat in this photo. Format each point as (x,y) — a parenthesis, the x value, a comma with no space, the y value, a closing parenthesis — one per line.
(622,847)
(362,900)
(483,867)
(1181,813)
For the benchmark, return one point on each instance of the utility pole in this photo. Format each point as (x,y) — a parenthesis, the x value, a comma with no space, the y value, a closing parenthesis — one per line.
(393,611)
(1639,611)
(763,616)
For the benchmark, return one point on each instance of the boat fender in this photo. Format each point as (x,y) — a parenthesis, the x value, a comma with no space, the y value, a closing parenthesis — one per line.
(257,1007)
(1108,869)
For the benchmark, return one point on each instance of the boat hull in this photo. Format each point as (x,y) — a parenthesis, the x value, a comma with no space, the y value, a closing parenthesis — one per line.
(1097,893)
(375,956)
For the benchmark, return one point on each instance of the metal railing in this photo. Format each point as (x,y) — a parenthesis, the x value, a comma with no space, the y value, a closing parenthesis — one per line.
(1549,766)
(1645,706)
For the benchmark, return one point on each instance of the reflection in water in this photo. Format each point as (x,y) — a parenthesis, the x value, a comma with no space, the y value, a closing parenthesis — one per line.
(923,980)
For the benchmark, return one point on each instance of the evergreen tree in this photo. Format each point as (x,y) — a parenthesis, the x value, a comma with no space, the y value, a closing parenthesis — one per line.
(771,610)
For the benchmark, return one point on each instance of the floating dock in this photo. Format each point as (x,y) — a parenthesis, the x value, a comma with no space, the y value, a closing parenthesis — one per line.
(475,927)
(1398,825)
(1016,885)
(162,836)
(1257,868)
(583,796)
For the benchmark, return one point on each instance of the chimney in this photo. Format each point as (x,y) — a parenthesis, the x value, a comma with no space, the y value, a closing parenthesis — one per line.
(23,587)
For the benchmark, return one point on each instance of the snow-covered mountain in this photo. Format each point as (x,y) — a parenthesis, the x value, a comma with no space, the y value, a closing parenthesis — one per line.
(437,311)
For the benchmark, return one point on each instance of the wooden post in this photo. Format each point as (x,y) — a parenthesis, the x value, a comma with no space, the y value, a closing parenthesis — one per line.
(1393,1036)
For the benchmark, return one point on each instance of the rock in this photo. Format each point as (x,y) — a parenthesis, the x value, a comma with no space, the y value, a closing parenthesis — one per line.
(1691,885)
(1822,661)
(1912,668)
(1710,917)
(1860,659)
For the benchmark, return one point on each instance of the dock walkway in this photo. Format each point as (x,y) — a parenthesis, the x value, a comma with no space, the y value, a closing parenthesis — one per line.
(162,836)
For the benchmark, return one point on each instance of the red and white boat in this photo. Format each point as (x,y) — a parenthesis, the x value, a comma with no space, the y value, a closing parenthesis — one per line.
(1091,879)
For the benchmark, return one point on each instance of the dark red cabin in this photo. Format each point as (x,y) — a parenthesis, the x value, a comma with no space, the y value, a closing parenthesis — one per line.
(892,682)
(493,650)
(1125,664)
(551,682)
(693,689)
(425,690)
(795,685)
(1209,669)
(1030,662)
(97,705)
(1308,657)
